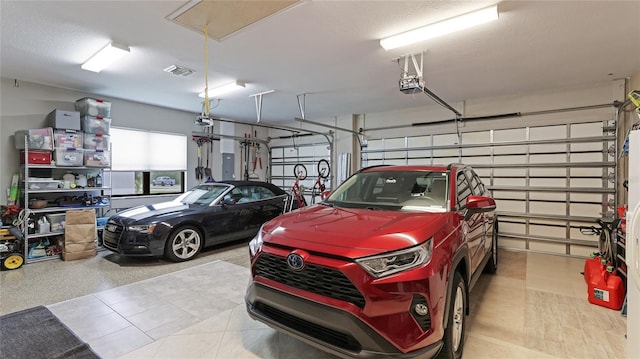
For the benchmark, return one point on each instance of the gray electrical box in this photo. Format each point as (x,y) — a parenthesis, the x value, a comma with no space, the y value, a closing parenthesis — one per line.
(228,161)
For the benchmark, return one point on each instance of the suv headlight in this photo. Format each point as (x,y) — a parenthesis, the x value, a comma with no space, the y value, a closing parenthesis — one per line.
(143,228)
(256,243)
(394,262)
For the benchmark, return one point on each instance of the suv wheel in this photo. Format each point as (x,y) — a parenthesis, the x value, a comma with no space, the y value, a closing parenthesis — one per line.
(454,332)
(492,264)
(184,244)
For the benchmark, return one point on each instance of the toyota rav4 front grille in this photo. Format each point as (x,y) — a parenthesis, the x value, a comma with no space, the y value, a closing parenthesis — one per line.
(312,278)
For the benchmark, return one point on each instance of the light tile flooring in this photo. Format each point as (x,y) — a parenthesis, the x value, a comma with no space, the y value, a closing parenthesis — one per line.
(534,307)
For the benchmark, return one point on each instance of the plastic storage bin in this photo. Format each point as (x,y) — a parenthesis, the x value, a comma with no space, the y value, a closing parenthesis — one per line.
(39,139)
(68,120)
(96,141)
(97,158)
(35,183)
(68,139)
(96,124)
(71,157)
(56,220)
(93,107)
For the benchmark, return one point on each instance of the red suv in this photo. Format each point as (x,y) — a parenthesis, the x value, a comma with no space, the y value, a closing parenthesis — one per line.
(382,267)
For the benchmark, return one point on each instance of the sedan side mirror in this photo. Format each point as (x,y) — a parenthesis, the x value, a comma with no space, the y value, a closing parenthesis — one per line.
(479,204)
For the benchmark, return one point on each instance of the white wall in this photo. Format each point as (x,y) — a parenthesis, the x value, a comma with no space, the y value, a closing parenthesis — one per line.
(26,106)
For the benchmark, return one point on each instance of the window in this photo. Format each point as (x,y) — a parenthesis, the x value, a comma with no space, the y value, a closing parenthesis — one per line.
(147,163)
(464,190)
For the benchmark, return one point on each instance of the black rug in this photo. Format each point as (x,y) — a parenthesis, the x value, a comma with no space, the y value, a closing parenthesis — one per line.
(38,333)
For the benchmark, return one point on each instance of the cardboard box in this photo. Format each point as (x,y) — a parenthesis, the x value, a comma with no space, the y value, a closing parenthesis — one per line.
(67,120)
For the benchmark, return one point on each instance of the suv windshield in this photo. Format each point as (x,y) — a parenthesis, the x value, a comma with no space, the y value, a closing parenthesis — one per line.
(394,190)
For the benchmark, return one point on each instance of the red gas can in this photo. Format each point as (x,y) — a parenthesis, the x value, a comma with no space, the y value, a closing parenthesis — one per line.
(592,266)
(606,289)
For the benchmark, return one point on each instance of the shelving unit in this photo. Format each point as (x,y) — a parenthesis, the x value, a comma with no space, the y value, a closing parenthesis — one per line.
(52,194)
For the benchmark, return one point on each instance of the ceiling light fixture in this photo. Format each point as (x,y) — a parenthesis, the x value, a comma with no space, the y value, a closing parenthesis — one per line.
(236,85)
(441,28)
(105,57)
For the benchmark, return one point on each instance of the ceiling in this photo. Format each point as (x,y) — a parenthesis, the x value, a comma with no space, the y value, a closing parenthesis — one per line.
(328,50)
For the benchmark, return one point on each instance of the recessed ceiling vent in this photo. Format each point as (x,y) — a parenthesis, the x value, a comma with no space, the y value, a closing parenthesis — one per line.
(178,70)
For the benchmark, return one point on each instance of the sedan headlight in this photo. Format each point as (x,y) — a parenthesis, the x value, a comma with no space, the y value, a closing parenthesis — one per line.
(142,228)
(256,243)
(394,262)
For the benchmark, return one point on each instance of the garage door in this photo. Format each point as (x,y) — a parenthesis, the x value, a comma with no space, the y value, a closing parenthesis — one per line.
(547,180)
(285,155)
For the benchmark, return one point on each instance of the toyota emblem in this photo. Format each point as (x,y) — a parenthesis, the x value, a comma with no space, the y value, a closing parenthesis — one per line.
(295,261)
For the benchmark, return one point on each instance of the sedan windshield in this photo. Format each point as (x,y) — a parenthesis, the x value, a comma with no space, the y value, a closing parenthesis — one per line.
(203,194)
(394,190)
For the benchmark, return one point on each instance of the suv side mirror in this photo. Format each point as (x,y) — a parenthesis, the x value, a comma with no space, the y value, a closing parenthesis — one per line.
(479,204)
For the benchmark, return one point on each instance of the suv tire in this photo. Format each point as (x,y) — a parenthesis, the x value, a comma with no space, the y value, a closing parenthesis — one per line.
(454,332)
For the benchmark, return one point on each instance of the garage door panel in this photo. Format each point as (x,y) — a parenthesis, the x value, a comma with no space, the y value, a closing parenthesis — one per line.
(586,182)
(557,167)
(419,161)
(548,148)
(511,206)
(586,197)
(419,141)
(547,196)
(557,158)
(476,151)
(586,171)
(585,209)
(476,137)
(507,159)
(558,208)
(547,171)
(548,133)
(510,150)
(581,130)
(476,160)
(510,135)
(586,157)
(548,182)
(513,228)
(510,195)
(421,153)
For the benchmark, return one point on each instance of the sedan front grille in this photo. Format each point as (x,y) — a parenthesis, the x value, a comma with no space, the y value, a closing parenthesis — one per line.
(111,235)
(312,278)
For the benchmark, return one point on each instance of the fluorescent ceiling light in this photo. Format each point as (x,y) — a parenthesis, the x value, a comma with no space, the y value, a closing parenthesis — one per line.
(223,89)
(441,28)
(105,57)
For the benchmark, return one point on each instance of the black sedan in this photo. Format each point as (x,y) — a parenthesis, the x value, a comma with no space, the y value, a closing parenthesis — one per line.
(208,214)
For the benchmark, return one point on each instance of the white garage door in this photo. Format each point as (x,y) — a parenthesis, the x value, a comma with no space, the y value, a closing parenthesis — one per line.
(547,180)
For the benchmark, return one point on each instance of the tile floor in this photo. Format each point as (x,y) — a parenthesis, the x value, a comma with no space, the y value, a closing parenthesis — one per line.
(534,307)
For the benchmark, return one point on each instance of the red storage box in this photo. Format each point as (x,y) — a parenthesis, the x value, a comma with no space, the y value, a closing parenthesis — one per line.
(36,157)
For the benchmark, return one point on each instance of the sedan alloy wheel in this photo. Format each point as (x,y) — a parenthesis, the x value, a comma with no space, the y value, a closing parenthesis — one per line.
(184,244)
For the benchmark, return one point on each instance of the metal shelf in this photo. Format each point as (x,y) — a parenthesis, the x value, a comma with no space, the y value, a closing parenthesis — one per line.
(63,209)
(63,190)
(42,235)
